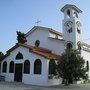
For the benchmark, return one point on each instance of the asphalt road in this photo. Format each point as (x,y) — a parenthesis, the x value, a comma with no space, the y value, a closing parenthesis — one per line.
(21,86)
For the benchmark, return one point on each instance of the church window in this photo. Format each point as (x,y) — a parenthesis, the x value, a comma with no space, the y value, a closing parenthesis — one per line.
(19,56)
(68,13)
(4,67)
(87,65)
(69,45)
(70,30)
(11,67)
(37,43)
(52,67)
(75,14)
(27,67)
(37,66)
(78,30)
(79,45)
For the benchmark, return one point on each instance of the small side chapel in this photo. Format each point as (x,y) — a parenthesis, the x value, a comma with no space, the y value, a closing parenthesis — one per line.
(33,61)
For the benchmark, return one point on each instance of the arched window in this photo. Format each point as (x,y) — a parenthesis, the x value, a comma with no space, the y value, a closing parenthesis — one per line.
(68,13)
(4,69)
(27,67)
(69,45)
(11,67)
(37,66)
(19,56)
(75,15)
(70,30)
(52,67)
(78,30)
(87,65)
(79,45)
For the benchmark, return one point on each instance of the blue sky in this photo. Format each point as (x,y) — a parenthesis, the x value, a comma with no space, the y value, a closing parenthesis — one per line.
(21,15)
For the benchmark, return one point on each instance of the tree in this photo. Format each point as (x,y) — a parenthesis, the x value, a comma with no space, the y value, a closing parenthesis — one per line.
(1,56)
(70,67)
(21,37)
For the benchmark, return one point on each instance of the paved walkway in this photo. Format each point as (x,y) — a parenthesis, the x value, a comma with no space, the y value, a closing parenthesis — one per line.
(21,86)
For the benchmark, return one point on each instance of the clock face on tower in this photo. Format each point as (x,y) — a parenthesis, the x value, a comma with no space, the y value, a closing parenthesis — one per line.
(68,26)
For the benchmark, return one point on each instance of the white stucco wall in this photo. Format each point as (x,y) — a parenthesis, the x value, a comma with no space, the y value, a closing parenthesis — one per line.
(86,56)
(34,79)
(56,46)
(31,78)
(74,36)
(54,81)
(40,35)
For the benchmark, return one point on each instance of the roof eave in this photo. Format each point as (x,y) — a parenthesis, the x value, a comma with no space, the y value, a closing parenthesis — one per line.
(72,6)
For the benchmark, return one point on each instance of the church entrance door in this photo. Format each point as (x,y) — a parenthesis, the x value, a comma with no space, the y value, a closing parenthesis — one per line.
(18,72)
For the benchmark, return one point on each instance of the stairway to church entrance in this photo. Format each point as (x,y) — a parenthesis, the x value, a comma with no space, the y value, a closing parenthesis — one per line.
(18,72)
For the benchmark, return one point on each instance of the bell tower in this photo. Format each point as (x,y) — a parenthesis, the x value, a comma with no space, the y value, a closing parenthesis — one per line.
(72,26)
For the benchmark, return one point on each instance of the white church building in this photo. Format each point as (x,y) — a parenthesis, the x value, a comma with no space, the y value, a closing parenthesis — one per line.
(33,61)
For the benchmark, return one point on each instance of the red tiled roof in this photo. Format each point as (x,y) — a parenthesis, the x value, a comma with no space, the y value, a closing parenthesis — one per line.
(37,50)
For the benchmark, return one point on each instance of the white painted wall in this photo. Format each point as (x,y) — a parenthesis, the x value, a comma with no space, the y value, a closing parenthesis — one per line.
(42,34)
(56,46)
(31,78)
(86,56)
(74,37)
(54,81)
